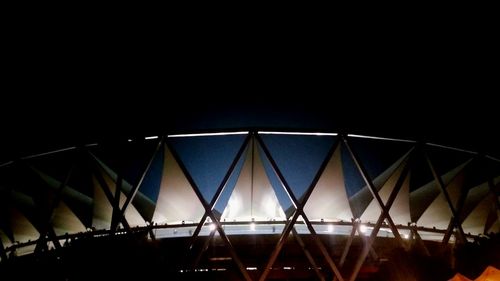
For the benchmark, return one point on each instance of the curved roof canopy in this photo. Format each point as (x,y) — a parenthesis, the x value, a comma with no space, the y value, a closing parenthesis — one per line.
(247,177)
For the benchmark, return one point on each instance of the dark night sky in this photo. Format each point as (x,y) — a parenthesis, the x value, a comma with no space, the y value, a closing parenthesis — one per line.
(91,87)
(46,125)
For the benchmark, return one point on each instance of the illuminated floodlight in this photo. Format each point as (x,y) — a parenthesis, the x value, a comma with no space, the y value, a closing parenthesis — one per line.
(330,228)
(363,228)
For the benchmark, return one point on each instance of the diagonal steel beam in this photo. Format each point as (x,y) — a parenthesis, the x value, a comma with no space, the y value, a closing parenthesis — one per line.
(491,185)
(308,255)
(116,204)
(373,254)
(299,211)
(374,191)
(107,192)
(134,190)
(355,228)
(347,246)
(279,245)
(456,220)
(384,215)
(420,241)
(219,190)
(208,209)
(494,192)
(3,253)
(203,249)
(455,217)
(46,222)
(53,237)
(322,248)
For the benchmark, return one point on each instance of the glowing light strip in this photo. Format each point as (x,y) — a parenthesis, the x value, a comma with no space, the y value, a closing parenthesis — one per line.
(91,144)
(208,134)
(47,153)
(6,163)
(493,158)
(151,138)
(379,138)
(452,148)
(297,133)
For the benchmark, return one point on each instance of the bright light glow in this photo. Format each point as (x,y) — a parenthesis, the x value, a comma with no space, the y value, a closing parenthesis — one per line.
(492,158)
(211,226)
(363,228)
(252,226)
(208,134)
(251,268)
(406,236)
(6,163)
(129,140)
(330,228)
(151,138)
(297,133)
(287,267)
(378,138)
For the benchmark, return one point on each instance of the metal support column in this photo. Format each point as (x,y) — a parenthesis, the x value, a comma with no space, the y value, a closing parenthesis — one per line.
(46,227)
(385,208)
(208,208)
(299,211)
(308,255)
(455,216)
(374,191)
(219,190)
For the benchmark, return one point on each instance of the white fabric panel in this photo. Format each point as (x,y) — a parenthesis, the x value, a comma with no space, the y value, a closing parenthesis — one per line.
(438,214)
(131,214)
(328,201)
(455,188)
(400,209)
(21,227)
(361,200)
(177,200)
(65,221)
(495,228)
(253,196)
(476,221)
(103,212)
(423,192)
(474,197)
(5,239)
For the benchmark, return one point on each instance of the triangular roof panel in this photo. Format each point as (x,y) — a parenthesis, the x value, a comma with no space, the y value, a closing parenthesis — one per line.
(400,209)
(298,157)
(328,201)
(207,159)
(253,197)
(177,200)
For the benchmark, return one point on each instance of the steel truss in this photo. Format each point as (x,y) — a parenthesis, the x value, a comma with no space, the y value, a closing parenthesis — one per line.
(335,264)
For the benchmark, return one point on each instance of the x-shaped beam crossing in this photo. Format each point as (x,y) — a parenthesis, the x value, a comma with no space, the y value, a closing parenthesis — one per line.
(384,207)
(299,211)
